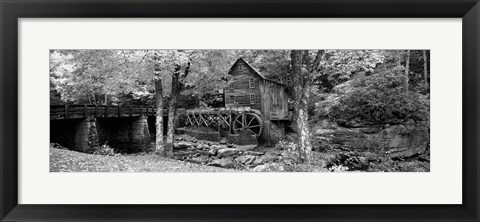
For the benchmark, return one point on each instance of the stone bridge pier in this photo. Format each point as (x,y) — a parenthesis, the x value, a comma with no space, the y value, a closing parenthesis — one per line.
(128,134)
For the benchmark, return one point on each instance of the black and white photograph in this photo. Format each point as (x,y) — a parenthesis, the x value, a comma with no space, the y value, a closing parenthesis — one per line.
(239,110)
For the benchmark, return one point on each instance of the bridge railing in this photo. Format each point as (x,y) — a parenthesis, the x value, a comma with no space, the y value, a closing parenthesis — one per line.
(83,111)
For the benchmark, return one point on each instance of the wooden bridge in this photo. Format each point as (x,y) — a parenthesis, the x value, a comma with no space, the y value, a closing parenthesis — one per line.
(84,111)
(85,127)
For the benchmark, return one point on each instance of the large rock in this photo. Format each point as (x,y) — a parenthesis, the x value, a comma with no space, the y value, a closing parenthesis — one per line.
(224,163)
(218,147)
(255,153)
(394,140)
(198,160)
(246,147)
(408,144)
(267,158)
(223,141)
(269,167)
(245,160)
(183,145)
(227,152)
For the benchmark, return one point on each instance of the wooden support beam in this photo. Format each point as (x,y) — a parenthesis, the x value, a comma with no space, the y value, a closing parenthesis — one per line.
(96,110)
(85,110)
(119,111)
(66,112)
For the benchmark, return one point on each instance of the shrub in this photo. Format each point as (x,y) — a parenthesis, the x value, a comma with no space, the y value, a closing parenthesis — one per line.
(379,98)
(105,150)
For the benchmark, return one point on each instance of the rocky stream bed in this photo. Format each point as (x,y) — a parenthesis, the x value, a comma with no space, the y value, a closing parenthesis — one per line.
(242,157)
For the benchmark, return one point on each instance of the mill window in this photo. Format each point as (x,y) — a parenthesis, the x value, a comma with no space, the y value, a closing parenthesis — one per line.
(251,82)
(252,98)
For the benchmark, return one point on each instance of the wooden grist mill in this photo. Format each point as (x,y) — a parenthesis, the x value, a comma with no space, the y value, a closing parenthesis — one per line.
(254,107)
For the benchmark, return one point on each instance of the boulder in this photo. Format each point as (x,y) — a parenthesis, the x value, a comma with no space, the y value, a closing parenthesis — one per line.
(212,152)
(246,147)
(255,153)
(182,145)
(224,163)
(223,141)
(394,140)
(267,158)
(258,161)
(245,160)
(408,144)
(218,147)
(269,167)
(270,158)
(227,152)
(197,160)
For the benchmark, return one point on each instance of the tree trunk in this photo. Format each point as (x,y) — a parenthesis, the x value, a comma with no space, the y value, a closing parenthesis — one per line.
(301,94)
(159,113)
(172,107)
(106,97)
(89,99)
(425,68)
(407,70)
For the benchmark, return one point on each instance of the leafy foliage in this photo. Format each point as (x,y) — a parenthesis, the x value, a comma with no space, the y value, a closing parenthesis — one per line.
(379,98)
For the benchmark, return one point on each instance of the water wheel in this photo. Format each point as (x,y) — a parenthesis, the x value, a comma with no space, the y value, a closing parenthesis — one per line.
(250,122)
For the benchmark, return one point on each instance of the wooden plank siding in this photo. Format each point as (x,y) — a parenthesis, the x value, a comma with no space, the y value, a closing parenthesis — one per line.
(270,97)
(274,101)
(240,89)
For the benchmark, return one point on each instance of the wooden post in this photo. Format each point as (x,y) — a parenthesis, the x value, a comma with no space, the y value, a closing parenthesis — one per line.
(244,121)
(96,110)
(66,111)
(106,111)
(130,110)
(230,127)
(218,120)
(119,110)
(85,110)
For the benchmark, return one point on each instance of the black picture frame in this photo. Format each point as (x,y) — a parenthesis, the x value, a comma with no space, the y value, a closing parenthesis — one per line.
(11,11)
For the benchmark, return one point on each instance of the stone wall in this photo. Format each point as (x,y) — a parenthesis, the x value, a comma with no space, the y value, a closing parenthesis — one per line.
(242,138)
(127,134)
(273,131)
